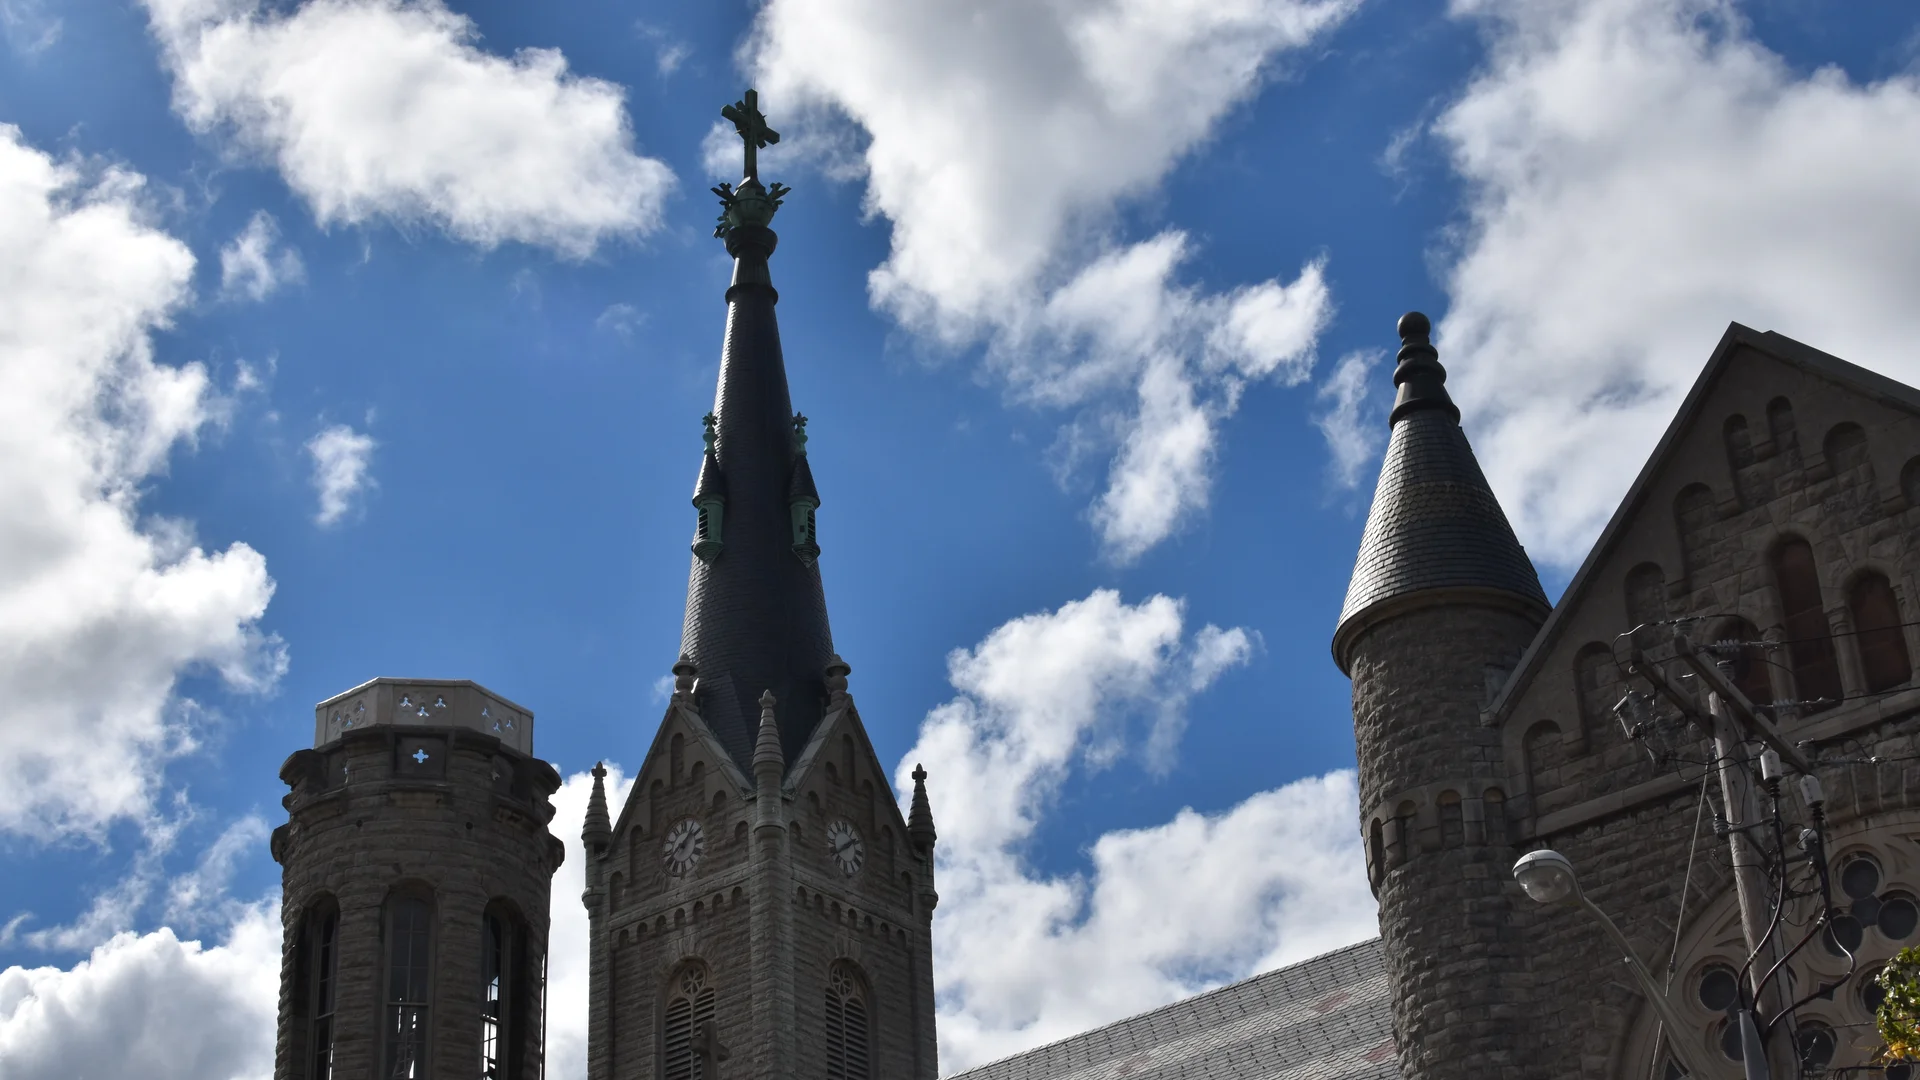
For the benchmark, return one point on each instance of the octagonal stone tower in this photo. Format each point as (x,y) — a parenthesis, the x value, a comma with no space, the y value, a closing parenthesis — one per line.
(416,865)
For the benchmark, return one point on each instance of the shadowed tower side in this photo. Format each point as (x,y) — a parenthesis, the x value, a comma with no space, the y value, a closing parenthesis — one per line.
(1442,603)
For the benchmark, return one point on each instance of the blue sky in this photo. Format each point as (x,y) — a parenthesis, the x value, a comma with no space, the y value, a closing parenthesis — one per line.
(359,337)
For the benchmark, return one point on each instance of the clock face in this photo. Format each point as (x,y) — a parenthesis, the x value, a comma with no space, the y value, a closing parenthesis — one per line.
(845,847)
(685,844)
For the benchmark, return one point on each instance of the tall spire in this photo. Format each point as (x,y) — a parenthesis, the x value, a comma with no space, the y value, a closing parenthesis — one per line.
(1435,524)
(756,618)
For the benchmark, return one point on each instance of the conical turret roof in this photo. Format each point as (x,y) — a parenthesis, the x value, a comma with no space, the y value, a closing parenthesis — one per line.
(756,617)
(1435,523)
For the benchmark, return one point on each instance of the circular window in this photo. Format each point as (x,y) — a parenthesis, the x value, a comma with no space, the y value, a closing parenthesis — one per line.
(1860,877)
(1899,916)
(1730,1040)
(1871,992)
(1816,1046)
(1719,988)
(1843,936)
(1899,1072)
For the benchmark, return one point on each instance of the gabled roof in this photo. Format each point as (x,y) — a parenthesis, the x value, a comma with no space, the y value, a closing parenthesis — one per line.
(1328,1018)
(1795,354)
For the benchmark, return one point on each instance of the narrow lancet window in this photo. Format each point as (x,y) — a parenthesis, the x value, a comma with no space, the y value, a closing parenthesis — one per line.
(323,931)
(848,1037)
(802,497)
(495,942)
(1816,673)
(409,936)
(1883,644)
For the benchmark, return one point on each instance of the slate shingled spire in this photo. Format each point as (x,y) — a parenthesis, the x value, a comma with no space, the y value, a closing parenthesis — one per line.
(1434,524)
(756,617)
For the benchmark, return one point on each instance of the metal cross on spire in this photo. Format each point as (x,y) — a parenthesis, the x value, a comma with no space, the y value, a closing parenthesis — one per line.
(752,127)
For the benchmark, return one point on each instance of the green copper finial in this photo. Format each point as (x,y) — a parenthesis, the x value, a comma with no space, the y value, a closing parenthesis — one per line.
(710,435)
(800,434)
(751,203)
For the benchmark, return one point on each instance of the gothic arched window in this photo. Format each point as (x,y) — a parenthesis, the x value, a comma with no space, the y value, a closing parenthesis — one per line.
(322,945)
(689,1016)
(1883,645)
(1744,660)
(1810,638)
(409,926)
(848,1031)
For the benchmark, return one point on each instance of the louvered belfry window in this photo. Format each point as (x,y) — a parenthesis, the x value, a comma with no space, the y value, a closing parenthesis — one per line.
(688,1013)
(493,1014)
(849,1037)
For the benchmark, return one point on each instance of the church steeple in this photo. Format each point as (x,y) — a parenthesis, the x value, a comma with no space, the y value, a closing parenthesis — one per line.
(756,617)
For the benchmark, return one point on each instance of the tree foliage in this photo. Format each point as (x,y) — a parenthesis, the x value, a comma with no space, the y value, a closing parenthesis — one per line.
(1898,1017)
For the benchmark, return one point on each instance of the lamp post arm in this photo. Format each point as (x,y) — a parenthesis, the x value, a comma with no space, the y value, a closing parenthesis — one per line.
(1684,1048)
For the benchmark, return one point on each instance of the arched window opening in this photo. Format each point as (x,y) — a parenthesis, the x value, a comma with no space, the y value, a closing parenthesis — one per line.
(1647,589)
(1739,442)
(1846,448)
(1780,424)
(1377,847)
(322,945)
(1810,639)
(496,974)
(1882,643)
(1453,825)
(1495,802)
(1596,682)
(1744,661)
(849,1049)
(689,1019)
(409,937)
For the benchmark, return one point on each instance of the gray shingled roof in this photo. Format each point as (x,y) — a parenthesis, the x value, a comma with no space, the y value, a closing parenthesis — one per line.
(1434,523)
(1329,1018)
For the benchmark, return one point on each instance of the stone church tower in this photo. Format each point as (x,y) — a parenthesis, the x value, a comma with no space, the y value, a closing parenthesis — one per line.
(415,871)
(759,909)
(1442,603)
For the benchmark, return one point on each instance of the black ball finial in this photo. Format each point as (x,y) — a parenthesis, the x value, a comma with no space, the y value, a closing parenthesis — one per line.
(1414,325)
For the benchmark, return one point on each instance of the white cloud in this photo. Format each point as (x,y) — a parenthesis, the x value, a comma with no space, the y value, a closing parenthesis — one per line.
(1639,173)
(341,457)
(29,29)
(101,609)
(1354,435)
(149,1005)
(1162,912)
(621,320)
(1065,111)
(567,952)
(388,109)
(254,264)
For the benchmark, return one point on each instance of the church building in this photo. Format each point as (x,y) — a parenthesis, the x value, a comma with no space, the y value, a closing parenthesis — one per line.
(1717,726)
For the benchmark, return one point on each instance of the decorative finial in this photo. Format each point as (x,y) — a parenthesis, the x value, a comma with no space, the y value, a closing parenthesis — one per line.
(751,203)
(800,433)
(710,433)
(596,831)
(1421,379)
(837,672)
(599,770)
(752,127)
(768,760)
(920,816)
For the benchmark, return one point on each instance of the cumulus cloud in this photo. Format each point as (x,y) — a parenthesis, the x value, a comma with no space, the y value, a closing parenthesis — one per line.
(255,265)
(567,954)
(389,109)
(1354,436)
(149,1005)
(1640,172)
(341,457)
(1065,111)
(101,608)
(1023,957)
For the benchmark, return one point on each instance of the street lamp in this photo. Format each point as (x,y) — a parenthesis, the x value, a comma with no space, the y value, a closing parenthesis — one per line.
(1547,876)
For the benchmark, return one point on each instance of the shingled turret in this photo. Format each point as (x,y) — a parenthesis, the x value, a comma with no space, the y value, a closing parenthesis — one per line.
(1442,601)
(756,617)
